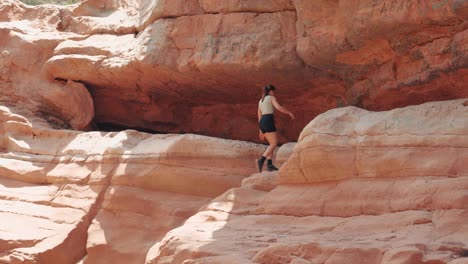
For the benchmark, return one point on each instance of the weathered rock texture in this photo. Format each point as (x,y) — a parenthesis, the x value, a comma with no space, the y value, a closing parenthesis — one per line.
(198,66)
(111,196)
(406,204)
(98,197)
(360,187)
(25,47)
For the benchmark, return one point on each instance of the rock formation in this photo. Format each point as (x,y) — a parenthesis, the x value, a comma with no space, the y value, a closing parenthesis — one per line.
(198,66)
(360,187)
(109,196)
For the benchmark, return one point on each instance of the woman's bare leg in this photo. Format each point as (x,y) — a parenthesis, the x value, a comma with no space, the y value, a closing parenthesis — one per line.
(272,138)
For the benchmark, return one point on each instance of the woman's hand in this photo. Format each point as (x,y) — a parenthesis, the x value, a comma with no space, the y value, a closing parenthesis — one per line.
(261,135)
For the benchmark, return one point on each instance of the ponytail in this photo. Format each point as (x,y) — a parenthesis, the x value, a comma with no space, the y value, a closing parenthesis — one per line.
(267,89)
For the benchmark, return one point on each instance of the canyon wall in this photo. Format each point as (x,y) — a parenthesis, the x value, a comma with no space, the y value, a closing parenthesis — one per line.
(380,179)
(199,66)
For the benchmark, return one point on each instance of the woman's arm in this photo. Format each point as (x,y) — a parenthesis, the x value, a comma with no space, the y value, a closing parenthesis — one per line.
(259,113)
(260,134)
(280,107)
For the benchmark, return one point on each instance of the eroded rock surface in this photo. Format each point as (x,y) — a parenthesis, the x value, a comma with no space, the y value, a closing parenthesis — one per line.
(360,187)
(198,66)
(412,212)
(107,196)
(28,37)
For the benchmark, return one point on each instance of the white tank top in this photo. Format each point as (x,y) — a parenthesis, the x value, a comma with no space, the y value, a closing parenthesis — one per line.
(266,106)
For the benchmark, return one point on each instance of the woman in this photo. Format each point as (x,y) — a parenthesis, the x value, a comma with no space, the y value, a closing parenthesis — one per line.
(266,122)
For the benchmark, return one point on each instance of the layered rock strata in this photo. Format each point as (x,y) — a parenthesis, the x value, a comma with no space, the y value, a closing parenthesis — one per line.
(198,66)
(406,204)
(361,187)
(104,197)
(27,39)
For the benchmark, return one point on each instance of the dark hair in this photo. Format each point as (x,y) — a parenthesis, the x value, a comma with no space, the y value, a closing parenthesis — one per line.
(267,90)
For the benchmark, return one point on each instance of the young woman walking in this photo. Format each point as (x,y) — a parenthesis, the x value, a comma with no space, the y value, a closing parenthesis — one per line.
(266,120)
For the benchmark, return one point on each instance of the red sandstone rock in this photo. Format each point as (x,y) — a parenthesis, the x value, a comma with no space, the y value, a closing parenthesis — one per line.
(185,56)
(107,197)
(382,218)
(131,220)
(256,6)
(265,181)
(361,187)
(198,66)
(428,140)
(26,45)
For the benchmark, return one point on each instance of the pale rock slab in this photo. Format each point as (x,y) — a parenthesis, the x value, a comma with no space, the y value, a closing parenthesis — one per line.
(347,143)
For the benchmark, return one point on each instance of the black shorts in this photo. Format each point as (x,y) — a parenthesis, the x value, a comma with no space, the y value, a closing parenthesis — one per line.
(267,123)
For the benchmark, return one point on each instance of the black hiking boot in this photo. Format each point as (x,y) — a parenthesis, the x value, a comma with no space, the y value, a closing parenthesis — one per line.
(260,164)
(271,167)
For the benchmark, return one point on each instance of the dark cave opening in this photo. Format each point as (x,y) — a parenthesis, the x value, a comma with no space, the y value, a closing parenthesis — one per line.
(112,127)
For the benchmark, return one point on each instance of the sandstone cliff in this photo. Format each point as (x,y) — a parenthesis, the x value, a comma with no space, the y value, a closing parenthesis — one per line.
(109,196)
(198,66)
(360,186)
